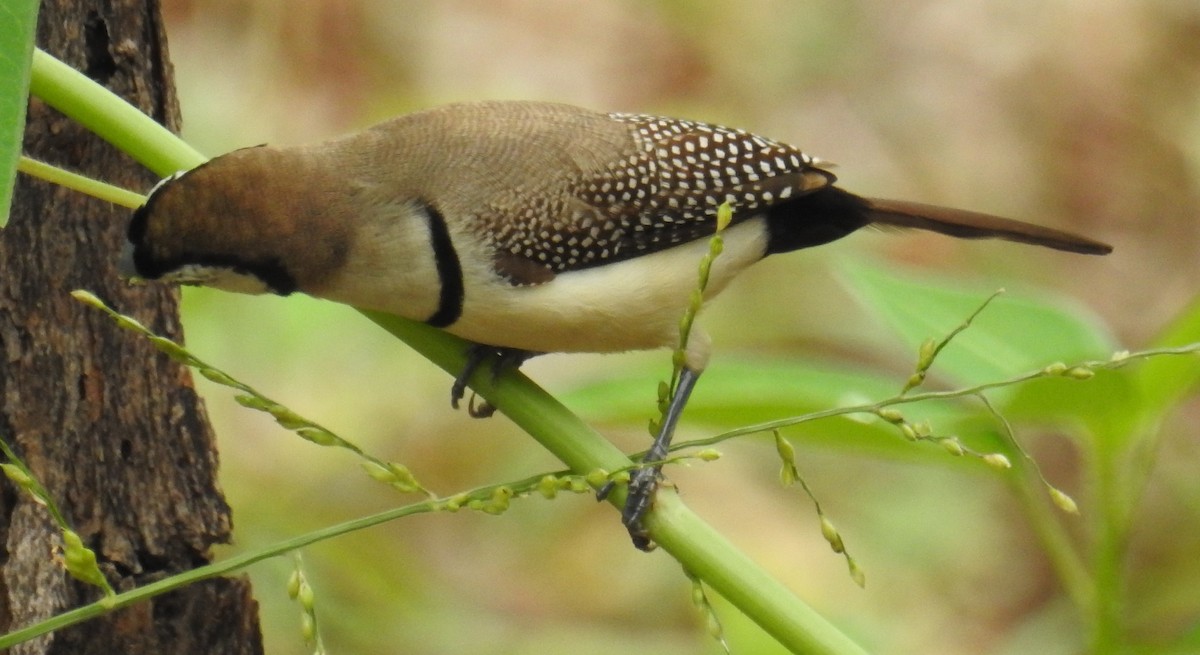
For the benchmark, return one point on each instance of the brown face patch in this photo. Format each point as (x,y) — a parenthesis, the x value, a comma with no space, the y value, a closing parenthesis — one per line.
(251,211)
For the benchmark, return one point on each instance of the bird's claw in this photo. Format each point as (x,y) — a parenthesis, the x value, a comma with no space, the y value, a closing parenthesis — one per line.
(481,410)
(477,354)
(643,482)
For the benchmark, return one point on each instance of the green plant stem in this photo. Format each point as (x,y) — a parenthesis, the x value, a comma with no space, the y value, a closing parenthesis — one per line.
(80,183)
(676,529)
(1100,596)
(243,560)
(223,567)
(110,117)
(873,408)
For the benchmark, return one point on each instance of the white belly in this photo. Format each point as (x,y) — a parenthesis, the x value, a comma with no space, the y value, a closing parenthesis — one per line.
(631,305)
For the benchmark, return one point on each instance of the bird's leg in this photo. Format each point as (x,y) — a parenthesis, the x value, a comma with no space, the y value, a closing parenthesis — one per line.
(477,354)
(644,480)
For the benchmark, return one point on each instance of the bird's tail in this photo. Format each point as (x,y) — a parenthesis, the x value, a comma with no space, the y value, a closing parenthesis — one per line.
(974,225)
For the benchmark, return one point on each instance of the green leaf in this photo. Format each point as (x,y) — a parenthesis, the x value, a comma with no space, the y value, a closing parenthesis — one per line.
(19,18)
(1015,333)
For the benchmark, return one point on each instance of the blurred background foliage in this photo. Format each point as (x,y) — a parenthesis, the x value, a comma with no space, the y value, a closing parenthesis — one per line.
(1081,114)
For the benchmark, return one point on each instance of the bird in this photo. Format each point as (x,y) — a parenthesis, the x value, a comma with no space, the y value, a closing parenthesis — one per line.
(523,227)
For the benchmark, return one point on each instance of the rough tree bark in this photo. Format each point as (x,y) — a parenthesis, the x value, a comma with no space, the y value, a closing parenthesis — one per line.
(113,429)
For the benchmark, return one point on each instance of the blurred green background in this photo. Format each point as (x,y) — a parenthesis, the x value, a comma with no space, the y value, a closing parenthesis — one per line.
(1080,114)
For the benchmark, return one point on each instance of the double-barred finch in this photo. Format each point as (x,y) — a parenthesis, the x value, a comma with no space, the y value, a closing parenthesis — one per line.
(523,227)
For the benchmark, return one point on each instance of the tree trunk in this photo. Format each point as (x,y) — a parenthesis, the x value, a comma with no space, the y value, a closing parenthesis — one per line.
(113,429)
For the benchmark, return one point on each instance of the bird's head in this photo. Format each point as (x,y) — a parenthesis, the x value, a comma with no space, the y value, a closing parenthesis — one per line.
(235,223)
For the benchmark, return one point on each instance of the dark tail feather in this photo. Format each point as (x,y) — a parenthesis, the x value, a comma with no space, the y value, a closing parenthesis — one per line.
(973,225)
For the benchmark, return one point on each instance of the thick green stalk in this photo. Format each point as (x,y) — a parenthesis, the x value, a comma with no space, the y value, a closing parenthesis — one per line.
(110,117)
(675,528)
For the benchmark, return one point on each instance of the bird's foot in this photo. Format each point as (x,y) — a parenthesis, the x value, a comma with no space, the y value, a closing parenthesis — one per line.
(639,498)
(477,354)
(643,482)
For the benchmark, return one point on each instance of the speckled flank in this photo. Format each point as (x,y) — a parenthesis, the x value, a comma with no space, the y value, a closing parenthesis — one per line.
(663,193)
